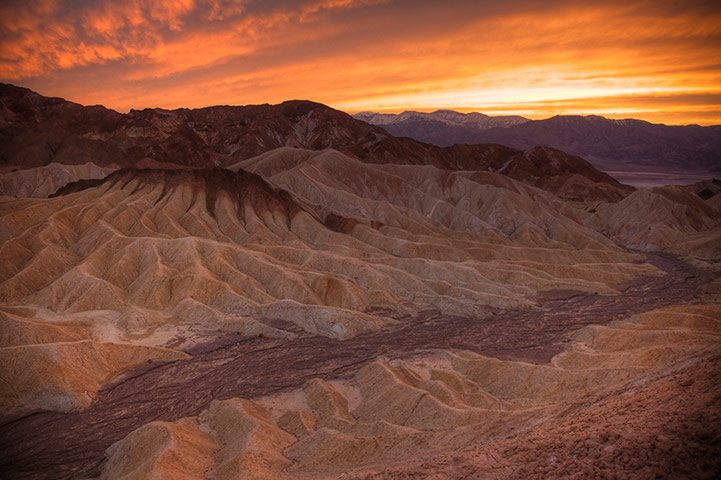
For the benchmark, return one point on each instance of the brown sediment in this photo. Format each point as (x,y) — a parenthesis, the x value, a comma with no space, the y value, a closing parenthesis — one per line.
(72,445)
(78,186)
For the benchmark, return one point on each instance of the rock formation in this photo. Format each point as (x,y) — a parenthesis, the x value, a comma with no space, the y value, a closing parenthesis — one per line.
(672,219)
(402,411)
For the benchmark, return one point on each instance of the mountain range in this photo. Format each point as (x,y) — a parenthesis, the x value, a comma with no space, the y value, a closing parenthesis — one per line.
(610,145)
(37,131)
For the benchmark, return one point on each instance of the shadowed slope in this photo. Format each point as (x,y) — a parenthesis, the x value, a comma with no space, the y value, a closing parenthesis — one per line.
(244,189)
(41,182)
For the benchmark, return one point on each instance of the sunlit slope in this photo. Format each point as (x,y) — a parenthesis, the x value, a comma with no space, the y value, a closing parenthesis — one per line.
(672,219)
(169,246)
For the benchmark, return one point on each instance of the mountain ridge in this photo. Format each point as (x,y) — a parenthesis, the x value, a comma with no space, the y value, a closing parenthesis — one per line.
(449,117)
(37,131)
(609,144)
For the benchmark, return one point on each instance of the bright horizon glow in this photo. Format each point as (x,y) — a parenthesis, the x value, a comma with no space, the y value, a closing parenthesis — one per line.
(658,61)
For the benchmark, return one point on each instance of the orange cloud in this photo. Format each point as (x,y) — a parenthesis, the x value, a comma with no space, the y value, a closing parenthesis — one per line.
(552,57)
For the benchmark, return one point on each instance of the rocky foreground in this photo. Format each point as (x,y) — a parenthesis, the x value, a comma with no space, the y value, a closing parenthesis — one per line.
(444,366)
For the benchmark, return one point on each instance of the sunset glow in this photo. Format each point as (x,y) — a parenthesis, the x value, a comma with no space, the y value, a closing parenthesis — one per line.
(656,60)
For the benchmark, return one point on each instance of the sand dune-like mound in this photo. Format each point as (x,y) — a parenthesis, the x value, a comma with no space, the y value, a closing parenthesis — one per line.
(397,410)
(64,376)
(16,328)
(41,182)
(229,250)
(51,362)
(567,176)
(672,219)
(409,196)
(660,427)
(170,258)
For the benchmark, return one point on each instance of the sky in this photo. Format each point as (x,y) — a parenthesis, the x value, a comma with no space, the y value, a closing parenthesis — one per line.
(655,60)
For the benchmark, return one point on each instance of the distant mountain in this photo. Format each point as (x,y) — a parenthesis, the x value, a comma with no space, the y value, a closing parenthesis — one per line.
(36,131)
(447,117)
(611,145)
(442,127)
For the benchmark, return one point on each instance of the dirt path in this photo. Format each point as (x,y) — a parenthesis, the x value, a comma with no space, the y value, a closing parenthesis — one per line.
(72,445)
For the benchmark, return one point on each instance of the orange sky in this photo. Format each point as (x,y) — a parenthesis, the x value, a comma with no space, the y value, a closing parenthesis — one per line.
(655,60)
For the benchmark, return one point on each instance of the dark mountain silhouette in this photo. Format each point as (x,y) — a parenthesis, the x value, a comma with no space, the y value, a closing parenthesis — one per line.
(36,131)
(611,145)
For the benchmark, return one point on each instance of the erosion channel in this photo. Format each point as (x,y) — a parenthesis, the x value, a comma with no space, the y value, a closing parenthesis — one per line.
(72,445)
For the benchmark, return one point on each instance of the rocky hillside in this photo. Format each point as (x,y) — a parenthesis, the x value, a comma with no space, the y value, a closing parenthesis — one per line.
(309,243)
(36,131)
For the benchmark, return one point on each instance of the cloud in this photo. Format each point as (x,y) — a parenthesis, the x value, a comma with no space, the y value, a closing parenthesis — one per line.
(360,54)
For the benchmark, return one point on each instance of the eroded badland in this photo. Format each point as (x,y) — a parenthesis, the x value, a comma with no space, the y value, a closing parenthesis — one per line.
(286,292)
